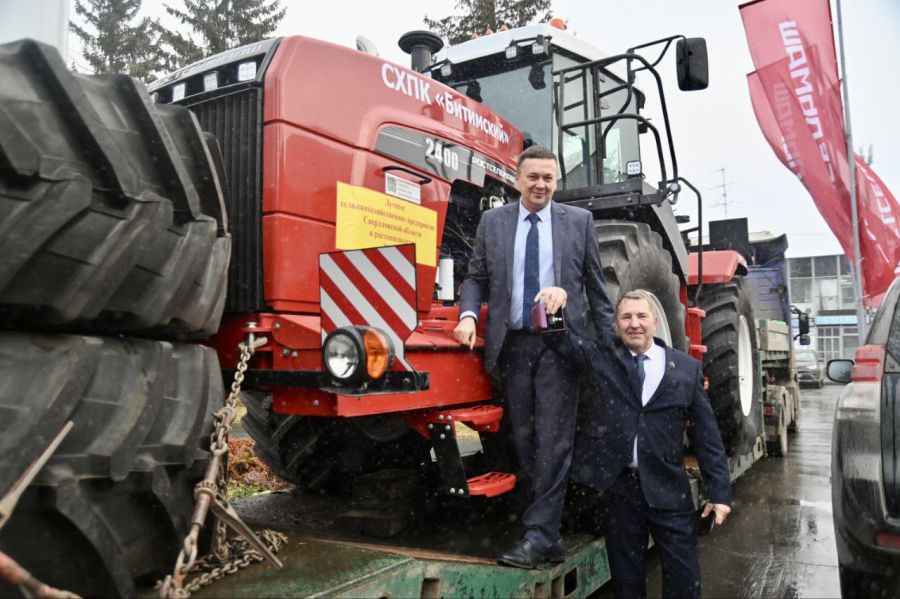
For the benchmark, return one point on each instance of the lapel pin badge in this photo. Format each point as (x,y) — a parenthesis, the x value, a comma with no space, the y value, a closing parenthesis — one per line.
(671,364)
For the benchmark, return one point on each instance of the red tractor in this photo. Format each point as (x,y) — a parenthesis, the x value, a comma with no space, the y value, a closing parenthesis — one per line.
(361,371)
(347,191)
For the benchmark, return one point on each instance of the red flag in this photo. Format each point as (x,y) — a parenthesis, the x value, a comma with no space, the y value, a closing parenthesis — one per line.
(796,96)
(879,232)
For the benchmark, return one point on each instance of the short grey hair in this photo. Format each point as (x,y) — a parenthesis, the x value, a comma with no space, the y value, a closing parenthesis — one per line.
(639,294)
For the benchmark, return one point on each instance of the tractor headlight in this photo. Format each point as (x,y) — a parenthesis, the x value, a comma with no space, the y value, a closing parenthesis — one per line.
(353,355)
(341,355)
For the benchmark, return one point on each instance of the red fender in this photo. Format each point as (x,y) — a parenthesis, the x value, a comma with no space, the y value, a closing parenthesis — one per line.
(718,266)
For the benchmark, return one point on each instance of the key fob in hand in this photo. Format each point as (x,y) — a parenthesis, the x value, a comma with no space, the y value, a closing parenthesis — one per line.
(547,323)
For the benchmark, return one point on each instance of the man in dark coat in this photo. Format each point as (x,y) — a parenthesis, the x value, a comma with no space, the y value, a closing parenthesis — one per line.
(631,441)
(520,249)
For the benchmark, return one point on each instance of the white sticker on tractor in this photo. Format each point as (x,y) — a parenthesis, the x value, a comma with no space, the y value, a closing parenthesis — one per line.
(402,188)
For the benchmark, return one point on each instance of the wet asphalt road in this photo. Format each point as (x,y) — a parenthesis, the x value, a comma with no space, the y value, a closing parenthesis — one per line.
(779,540)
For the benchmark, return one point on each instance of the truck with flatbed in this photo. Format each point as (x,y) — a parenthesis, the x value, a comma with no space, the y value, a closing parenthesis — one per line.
(757,287)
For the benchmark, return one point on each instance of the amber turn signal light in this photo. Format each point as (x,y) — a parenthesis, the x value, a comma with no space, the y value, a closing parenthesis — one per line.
(379,353)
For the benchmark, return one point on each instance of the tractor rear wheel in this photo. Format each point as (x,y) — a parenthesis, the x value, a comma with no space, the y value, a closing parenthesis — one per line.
(633,257)
(112,215)
(320,453)
(731,362)
(115,499)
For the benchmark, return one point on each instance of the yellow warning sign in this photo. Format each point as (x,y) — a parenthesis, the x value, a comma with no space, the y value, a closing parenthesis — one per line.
(366,219)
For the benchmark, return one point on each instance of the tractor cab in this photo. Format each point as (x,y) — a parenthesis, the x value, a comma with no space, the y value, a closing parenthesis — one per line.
(568,96)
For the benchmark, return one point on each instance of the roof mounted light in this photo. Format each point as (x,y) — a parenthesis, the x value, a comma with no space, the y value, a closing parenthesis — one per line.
(210,81)
(540,46)
(446,69)
(246,71)
(512,51)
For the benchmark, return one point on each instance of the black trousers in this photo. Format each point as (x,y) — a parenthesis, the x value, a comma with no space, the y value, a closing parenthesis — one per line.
(628,521)
(540,399)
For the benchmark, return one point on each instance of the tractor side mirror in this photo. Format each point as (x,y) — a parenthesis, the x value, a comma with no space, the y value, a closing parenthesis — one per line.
(804,339)
(693,64)
(803,325)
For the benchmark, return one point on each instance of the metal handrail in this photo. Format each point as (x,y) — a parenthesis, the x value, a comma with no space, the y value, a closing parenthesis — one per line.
(600,140)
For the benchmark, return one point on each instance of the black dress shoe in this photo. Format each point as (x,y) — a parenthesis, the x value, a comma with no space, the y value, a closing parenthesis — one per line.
(523,555)
(557,552)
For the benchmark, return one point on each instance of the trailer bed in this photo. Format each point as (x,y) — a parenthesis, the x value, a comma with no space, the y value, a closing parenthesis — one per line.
(449,557)
(449,553)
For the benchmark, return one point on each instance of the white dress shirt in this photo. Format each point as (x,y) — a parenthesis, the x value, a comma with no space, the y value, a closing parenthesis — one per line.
(654,369)
(545,260)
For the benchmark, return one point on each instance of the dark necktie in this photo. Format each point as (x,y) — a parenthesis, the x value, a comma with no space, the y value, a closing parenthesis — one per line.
(532,282)
(639,363)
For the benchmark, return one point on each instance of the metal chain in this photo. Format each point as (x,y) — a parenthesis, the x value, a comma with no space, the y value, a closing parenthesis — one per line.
(227,556)
(210,569)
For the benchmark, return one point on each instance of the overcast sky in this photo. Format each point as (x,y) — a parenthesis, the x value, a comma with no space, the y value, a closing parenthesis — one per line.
(714,129)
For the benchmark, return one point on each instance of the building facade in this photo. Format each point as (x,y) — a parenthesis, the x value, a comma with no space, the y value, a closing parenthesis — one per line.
(823,287)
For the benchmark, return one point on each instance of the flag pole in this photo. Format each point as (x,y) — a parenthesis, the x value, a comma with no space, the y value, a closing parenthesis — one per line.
(854,210)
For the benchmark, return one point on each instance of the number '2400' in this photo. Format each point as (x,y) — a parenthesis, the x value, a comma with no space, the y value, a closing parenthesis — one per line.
(441,154)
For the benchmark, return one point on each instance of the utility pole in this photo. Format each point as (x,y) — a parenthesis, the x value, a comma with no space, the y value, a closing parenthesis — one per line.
(861,324)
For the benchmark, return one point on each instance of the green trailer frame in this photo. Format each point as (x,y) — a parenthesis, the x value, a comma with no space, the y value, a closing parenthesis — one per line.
(327,568)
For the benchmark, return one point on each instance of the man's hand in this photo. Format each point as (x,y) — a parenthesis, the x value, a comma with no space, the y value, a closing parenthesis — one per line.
(721,510)
(554,298)
(465,332)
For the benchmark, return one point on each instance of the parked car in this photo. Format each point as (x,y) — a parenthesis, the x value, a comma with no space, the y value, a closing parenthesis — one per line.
(810,370)
(865,460)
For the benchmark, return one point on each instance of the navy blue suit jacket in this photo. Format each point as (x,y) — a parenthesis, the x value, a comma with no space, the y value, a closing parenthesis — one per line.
(614,415)
(576,268)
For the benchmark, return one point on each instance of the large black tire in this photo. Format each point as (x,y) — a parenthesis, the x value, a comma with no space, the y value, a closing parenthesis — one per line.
(734,388)
(112,216)
(778,446)
(323,454)
(111,507)
(633,257)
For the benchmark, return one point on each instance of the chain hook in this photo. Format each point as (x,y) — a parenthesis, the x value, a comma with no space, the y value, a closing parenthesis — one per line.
(211,492)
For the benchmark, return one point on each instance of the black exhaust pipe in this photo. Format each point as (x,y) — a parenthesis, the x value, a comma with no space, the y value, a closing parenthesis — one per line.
(421,46)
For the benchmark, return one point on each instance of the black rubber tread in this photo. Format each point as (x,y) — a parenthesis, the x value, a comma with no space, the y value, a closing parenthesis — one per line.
(724,304)
(117,495)
(112,215)
(778,446)
(794,392)
(633,257)
(316,453)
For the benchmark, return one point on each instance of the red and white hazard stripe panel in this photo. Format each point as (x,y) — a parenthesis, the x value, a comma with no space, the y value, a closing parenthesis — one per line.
(374,287)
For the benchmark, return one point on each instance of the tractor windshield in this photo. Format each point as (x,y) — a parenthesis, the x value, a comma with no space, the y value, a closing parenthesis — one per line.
(522,92)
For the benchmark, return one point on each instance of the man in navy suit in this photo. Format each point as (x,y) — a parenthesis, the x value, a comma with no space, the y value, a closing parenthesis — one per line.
(630,446)
(520,249)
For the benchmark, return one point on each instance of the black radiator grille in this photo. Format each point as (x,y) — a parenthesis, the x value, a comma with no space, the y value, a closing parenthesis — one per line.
(235,119)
